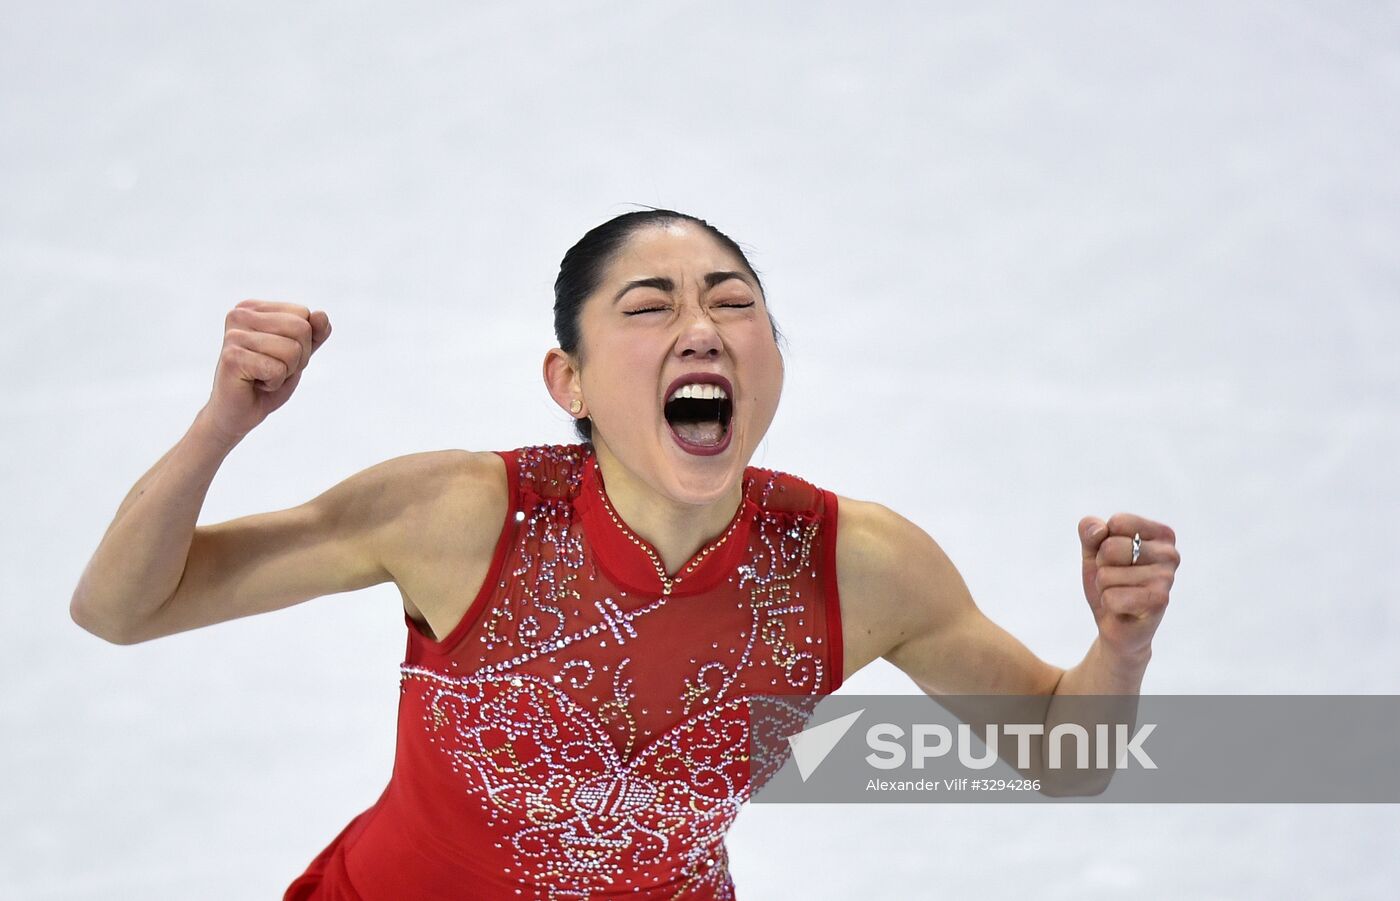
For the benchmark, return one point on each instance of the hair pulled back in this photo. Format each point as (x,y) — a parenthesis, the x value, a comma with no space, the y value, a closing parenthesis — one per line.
(582,270)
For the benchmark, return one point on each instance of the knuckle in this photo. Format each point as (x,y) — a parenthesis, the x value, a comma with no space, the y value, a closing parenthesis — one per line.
(304,335)
(289,350)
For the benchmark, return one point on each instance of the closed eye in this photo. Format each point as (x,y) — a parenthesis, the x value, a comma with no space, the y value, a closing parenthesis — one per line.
(736,306)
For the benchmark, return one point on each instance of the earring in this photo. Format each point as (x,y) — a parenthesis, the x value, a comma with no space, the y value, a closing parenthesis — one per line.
(576,406)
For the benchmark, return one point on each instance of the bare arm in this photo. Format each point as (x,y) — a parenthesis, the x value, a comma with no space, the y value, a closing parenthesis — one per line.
(141,562)
(928,624)
(951,650)
(367,529)
(141,558)
(156,572)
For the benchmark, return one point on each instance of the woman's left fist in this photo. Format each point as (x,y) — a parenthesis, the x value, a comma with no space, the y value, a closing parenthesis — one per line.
(1127,598)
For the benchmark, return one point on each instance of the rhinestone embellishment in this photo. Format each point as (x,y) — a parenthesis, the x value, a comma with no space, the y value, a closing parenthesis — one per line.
(667,583)
(602,739)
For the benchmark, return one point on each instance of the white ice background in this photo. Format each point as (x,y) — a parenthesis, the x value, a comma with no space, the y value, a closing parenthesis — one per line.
(1034,262)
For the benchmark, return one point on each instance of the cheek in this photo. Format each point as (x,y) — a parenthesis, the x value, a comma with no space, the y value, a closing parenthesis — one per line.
(768,372)
(619,359)
(631,350)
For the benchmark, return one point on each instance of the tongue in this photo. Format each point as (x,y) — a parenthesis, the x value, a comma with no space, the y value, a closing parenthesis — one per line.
(707,433)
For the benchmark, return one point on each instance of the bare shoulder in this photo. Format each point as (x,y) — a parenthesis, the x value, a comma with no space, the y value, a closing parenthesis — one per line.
(450,508)
(887,568)
(440,499)
(465,476)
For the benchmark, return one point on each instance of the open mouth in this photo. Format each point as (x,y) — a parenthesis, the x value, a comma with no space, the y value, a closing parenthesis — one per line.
(702,422)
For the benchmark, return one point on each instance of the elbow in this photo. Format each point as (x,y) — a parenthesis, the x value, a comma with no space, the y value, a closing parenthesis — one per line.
(87,620)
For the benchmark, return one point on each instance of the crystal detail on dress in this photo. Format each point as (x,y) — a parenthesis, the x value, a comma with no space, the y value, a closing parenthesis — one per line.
(667,583)
(606,753)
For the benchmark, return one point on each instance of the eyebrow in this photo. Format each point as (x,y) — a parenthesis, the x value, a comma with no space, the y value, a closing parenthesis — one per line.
(665,284)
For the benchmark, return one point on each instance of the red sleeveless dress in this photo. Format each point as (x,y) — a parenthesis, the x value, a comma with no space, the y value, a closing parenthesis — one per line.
(583,732)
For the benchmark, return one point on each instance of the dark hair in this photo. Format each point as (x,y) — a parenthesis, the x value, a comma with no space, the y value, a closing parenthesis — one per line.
(582,269)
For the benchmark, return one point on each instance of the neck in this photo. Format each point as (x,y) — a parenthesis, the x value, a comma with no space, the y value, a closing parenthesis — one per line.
(676,531)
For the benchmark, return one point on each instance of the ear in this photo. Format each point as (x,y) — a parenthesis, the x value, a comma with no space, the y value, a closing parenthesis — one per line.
(561,379)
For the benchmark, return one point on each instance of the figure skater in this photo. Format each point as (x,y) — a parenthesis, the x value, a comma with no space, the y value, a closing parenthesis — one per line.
(586,622)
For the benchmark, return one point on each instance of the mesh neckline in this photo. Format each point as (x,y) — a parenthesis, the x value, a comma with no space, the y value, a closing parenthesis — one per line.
(624,554)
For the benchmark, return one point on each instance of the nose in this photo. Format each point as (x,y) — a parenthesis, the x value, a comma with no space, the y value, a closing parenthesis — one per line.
(699,337)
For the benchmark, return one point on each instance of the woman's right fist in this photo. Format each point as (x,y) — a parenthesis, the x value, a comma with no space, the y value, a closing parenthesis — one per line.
(267,346)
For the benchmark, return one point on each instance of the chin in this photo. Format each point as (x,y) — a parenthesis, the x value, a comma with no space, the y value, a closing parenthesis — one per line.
(704,478)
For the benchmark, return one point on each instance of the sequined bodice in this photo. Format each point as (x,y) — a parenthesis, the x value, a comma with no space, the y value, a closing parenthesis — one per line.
(583,731)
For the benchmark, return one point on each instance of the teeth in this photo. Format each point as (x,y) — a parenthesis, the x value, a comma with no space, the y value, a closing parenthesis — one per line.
(704,392)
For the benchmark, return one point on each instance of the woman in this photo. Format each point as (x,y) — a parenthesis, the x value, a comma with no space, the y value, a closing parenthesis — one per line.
(585,621)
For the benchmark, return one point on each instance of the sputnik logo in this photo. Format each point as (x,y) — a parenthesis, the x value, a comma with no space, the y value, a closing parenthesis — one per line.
(811,746)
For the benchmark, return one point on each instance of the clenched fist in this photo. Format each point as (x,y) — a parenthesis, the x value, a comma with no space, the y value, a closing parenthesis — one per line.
(267,346)
(1128,596)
